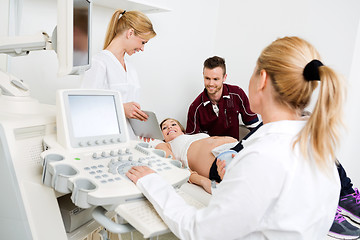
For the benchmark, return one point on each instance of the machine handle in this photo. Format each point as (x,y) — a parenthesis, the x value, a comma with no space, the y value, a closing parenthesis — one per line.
(99,216)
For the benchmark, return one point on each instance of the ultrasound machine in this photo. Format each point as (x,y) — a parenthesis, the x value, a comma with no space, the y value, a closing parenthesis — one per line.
(85,151)
(91,153)
(63,166)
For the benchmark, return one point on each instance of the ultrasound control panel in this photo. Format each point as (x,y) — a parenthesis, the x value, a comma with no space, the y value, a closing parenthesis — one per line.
(97,177)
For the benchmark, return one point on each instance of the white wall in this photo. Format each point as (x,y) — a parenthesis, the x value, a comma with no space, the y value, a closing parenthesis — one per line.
(170,68)
(350,151)
(247,26)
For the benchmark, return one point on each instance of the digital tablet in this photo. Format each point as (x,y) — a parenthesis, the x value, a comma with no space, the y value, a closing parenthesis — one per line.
(149,128)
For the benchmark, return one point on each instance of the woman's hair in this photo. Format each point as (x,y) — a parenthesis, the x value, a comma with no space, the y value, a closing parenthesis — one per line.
(214,62)
(284,61)
(123,20)
(181,126)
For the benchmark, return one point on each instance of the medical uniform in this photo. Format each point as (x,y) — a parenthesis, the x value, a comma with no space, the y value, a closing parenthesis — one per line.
(224,118)
(106,72)
(270,191)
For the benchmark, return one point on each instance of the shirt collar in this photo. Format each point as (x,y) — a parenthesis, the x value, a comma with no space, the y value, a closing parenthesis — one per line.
(225,93)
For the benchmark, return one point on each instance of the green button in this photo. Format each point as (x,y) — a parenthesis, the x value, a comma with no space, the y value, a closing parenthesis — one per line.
(77,158)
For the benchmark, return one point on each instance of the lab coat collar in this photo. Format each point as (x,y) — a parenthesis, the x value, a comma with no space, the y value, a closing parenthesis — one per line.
(288,127)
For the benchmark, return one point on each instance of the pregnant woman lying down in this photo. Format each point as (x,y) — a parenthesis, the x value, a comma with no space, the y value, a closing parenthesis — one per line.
(194,151)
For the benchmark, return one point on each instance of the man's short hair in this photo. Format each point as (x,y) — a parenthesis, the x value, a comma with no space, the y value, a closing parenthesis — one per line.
(214,62)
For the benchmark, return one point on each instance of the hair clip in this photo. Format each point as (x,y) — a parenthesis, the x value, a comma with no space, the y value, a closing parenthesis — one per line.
(311,70)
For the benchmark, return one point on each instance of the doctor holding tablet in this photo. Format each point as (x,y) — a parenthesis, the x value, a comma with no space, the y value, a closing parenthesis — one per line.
(127,33)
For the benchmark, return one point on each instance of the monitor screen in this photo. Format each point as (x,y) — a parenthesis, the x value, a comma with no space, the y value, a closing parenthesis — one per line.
(81,33)
(93,115)
(90,118)
(72,36)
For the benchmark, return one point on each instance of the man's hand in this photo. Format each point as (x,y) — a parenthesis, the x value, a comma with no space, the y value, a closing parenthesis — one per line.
(137,172)
(132,110)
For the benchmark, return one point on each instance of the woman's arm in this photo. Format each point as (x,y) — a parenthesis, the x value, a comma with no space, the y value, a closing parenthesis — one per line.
(201,181)
(166,147)
(133,110)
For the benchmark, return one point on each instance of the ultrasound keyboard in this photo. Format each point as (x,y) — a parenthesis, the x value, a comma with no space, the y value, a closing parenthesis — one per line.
(97,177)
(142,215)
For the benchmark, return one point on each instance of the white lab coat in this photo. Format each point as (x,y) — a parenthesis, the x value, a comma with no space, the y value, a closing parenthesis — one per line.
(106,72)
(269,192)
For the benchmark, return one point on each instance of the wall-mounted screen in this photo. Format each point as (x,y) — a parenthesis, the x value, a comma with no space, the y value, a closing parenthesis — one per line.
(72,36)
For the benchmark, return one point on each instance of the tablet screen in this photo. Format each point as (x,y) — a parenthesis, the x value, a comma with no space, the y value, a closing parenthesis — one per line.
(149,128)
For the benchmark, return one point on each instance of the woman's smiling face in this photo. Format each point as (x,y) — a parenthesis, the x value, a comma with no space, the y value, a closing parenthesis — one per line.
(170,130)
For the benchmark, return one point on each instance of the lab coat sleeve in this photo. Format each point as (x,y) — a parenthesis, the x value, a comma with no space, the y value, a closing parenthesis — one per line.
(237,207)
(168,203)
(95,77)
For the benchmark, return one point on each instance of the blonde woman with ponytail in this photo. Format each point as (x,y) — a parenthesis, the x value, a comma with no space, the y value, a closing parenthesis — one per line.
(127,33)
(284,183)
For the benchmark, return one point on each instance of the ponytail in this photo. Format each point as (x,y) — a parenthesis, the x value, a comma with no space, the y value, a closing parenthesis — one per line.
(111,30)
(123,20)
(294,70)
(323,126)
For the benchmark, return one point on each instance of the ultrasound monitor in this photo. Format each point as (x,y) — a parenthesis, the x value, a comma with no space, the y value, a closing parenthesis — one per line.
(71,38)
(81,36)
(90,118)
